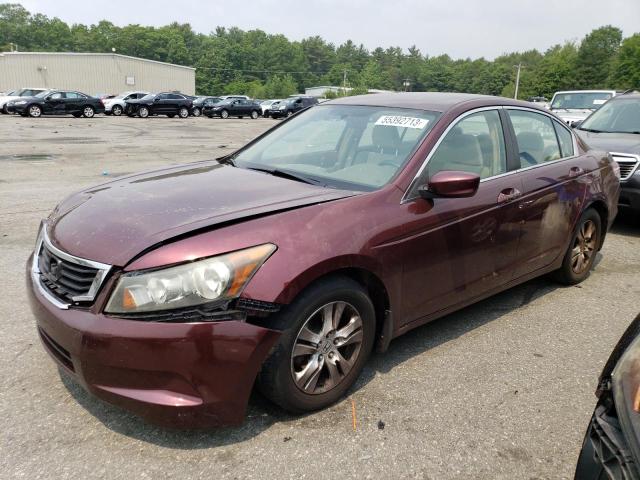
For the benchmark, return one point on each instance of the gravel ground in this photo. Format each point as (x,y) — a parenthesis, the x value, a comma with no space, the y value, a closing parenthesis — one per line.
(502,389)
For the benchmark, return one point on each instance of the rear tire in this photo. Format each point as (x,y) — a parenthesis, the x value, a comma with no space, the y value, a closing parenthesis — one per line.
(336,364)
(88,112)
(183,112)
(581,254)
(254,114)
(196,112)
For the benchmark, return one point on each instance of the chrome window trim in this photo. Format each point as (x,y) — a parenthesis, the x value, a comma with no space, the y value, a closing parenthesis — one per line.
(103,270)
(406,198)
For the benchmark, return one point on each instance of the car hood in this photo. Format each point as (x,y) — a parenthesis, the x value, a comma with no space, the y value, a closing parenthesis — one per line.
(114,222)
(612,142)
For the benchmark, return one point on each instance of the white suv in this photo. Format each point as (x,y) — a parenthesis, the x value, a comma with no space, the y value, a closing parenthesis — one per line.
(115,105)
(576,105)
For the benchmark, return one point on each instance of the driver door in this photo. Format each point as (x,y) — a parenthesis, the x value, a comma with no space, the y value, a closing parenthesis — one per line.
(458,249)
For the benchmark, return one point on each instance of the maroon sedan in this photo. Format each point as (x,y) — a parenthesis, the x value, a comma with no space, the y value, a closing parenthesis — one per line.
(171,293)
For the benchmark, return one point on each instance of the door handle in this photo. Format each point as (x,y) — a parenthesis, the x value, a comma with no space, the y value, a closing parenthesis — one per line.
(575,172)
(509,194)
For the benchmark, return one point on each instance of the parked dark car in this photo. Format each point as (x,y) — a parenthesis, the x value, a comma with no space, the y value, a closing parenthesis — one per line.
(292,105)
(615,128)
(167,103)
(200,102)
(611,447)
(17,95)
(233,107)
(345,226)
(57,102)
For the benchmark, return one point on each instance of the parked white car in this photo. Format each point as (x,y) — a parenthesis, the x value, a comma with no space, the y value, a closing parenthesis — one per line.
(16,94)
(266,105)
(115,106)
(576,105)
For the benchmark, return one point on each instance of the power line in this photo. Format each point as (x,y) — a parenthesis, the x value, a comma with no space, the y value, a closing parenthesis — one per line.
(297,72)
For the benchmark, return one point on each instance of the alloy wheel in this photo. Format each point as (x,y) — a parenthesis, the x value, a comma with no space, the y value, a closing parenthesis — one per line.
(117,110)
(584,246)
(196,112)
(183,113)
(224,114)
(88,112)
(254,114)
(326,348)
(35,111)
(143,112)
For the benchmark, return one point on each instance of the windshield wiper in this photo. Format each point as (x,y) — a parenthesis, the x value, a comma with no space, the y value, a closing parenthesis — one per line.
(286,174)
(592,130)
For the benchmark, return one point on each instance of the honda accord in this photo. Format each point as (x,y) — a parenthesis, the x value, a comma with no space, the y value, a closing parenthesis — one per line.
(171,293)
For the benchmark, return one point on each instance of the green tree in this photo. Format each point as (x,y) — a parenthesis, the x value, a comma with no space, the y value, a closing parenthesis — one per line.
(596,56)
(626,68)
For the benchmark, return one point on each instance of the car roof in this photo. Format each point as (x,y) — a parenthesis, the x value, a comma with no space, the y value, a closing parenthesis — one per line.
(586,91)
(433,101)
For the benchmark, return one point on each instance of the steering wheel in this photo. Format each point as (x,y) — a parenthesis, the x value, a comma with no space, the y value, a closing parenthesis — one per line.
(527,157)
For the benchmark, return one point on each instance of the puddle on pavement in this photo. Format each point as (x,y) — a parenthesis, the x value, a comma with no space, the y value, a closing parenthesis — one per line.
(29,157)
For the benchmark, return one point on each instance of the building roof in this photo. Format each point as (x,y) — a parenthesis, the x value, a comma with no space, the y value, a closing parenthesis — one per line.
(434,101)
(95,55)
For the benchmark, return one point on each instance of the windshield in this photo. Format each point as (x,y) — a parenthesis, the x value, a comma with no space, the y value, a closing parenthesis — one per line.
(341,146)
(580,100)
(619,116)
(43,94)
(150,96)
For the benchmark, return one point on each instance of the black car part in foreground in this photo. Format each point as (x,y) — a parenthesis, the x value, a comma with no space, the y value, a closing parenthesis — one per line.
(611,447)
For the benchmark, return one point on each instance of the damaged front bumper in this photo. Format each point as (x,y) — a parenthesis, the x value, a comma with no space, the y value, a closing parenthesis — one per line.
(182,375)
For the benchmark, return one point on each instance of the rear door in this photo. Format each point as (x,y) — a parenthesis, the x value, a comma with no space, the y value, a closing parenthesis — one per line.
(458,249)
(554,186)
(73,102)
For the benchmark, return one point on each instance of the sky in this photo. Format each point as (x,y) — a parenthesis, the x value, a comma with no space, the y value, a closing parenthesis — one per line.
(459,28)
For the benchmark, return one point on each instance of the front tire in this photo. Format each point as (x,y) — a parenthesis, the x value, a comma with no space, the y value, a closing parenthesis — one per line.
(35,111)
(254,115)
(143,112)
(116,110)
(224,114)
(196,112)
(328,334)
(581,254)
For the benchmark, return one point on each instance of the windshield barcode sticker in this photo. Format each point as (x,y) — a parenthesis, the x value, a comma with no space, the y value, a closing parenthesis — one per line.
(400,121)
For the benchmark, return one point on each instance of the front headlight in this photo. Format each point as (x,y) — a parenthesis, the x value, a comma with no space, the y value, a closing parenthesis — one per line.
(218,278)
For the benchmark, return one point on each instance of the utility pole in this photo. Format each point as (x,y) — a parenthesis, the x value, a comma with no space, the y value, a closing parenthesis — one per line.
(519,67)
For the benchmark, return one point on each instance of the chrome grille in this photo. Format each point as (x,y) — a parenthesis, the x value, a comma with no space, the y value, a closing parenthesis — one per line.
(627,163)
(63,278)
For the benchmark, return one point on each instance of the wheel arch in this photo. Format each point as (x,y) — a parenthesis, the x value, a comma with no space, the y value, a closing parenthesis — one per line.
(601,207)
(360,270)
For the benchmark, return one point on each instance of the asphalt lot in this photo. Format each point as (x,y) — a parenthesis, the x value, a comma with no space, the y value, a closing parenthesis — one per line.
(502,389)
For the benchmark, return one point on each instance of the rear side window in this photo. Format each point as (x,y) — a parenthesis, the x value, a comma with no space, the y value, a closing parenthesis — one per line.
(566,140)
(474,145)
(536,137)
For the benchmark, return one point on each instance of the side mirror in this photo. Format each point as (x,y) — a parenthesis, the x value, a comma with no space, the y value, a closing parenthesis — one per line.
(450,184)
(576,123)
(156,99)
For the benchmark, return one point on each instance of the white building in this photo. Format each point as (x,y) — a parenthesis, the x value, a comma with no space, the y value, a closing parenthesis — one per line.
(93,73)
